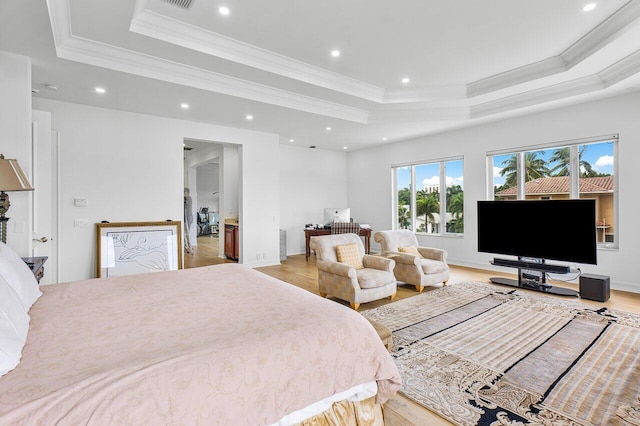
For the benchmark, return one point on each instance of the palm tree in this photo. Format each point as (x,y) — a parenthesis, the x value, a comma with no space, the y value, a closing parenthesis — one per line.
(427,204)
(456,207)
(404,217)
(404,197)
(535,168)
(562,157)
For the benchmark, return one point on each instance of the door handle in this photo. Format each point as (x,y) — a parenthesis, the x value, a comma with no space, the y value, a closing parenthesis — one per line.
(41,240)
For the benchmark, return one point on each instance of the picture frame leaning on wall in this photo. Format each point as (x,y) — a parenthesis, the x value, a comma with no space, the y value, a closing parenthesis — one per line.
(127,248)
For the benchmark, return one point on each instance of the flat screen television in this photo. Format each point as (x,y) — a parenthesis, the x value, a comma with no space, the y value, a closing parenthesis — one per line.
(562,230)
(332,215)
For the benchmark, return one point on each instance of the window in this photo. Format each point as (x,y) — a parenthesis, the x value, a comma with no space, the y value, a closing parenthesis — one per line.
(429,197)
(581,169)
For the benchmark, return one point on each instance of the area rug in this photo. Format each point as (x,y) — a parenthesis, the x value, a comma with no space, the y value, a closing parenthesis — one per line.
(480,354)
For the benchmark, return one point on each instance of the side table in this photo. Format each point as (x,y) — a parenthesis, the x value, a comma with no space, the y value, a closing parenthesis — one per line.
(36,264)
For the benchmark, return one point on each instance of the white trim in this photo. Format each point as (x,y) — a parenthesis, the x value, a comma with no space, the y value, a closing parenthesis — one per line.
(119,59)
(607,31)
(534,97)
(172,31)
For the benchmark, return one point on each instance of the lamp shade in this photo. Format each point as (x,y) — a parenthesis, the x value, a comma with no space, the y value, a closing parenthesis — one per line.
(12,178)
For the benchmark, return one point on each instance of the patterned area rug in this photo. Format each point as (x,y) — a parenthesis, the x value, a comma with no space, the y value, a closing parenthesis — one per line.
(479,354)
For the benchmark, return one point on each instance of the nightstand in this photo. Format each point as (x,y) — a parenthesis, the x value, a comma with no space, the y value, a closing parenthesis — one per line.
(36,264)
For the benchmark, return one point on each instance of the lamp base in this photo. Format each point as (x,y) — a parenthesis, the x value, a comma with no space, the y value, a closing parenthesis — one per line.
(3,228)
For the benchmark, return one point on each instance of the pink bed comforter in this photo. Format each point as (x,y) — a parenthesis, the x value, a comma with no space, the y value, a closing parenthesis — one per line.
(215,345)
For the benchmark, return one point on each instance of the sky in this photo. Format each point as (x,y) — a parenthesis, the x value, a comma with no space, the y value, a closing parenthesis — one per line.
(429,174)
(599,155)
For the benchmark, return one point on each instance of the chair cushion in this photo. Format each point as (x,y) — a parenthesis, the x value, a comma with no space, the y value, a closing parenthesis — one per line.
(349,254)
(430,266)
(410,250)
(372,278)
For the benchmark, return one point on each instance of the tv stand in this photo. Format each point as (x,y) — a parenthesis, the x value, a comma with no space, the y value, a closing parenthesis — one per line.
(531,275)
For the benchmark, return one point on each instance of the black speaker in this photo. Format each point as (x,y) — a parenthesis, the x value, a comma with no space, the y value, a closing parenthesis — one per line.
(594,287)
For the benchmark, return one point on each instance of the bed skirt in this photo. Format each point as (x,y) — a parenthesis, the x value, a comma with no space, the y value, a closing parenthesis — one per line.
(347,413)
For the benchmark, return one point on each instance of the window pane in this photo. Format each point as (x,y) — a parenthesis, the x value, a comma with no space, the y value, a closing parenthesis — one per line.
(403,179)
(454,196)
(505,184)
(538,184)
(596,181)
(428,198)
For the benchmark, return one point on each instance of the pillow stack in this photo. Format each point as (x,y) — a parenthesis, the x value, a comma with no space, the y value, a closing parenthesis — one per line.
(18,292)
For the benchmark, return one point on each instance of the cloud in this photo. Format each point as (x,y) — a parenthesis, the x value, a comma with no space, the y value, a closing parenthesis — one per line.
(454,181)
(496,171)
(604,161)
(435,180)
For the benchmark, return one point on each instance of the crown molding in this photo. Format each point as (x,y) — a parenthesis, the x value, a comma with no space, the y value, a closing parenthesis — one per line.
(555,92)
(604,33)
(60,18)
(516,76)
(403,105)
(420,115)
(119,59)
(430,94)
(621,70)
(160,27)
(607,31)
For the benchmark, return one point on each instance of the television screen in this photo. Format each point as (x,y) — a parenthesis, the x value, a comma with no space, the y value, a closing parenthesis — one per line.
(563,230)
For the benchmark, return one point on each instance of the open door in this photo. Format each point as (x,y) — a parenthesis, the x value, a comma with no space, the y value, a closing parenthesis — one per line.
(44,231)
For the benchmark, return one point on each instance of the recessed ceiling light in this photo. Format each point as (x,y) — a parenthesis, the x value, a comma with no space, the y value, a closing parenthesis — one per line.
(249,117)
(589,7)
(335,53)
(384,139)
(184,106)
(344,147)
(328,129)
(100,90)
(406,80)
(292,140)
(224,10)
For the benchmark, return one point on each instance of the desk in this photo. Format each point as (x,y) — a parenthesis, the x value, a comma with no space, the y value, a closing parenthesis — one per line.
(308,233)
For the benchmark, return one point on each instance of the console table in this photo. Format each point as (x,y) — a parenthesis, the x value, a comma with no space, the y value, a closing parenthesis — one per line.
(36,264)
(308,233)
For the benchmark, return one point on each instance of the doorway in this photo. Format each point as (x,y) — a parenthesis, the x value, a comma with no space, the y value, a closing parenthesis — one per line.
(211,175)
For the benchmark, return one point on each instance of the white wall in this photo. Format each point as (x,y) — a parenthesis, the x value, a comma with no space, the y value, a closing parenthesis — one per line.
(310,180)
(130,168)
(15,142)
(370,188)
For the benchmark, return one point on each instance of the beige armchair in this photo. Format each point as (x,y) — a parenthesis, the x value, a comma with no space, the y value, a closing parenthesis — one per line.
(373,281)
(427,269)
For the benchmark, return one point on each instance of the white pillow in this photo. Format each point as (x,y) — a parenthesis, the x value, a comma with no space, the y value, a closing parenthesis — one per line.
(14,326)
(18,275)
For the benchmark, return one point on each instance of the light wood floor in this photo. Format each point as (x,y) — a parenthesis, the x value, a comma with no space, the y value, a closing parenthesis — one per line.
(399,411)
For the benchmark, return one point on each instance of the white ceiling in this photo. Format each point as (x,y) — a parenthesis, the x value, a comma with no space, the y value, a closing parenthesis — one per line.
(469,62)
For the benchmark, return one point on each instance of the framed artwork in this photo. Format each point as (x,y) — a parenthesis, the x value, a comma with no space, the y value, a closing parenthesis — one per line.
(128,248)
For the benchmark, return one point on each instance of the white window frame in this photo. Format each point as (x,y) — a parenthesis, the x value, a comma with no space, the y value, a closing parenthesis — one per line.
(442,193)
(574,164)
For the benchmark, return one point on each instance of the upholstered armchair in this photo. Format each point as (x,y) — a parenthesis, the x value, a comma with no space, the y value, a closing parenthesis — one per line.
(419,266)
(346,272)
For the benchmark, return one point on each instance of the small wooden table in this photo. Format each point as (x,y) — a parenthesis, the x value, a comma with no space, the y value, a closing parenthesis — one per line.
(308,233)
(36,264)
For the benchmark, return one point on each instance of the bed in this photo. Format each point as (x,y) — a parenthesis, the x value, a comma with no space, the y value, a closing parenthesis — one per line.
(214,345)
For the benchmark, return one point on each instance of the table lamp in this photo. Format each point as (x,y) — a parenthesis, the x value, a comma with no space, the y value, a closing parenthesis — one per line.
(12,178)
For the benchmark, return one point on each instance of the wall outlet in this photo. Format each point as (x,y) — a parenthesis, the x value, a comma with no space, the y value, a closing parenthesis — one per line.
(81,223)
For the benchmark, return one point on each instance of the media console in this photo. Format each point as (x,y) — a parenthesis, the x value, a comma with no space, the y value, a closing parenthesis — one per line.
(533,281)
